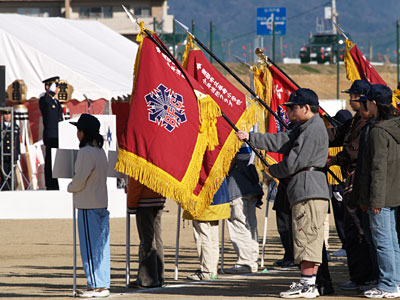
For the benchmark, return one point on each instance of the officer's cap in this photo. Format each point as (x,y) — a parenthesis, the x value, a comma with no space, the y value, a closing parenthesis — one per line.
(359,87)
(302,97)
(51,80)
(87,123)
(380,94)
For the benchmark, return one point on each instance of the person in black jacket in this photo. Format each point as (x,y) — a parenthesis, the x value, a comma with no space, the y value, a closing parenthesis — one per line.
(51,114)
(5,144)
(348,136)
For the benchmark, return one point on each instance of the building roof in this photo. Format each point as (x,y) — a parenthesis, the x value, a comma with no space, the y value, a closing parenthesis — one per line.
(94,59)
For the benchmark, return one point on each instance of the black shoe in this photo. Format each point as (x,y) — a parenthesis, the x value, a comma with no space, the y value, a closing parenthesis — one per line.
(136,285)
(284,263)
(325,290)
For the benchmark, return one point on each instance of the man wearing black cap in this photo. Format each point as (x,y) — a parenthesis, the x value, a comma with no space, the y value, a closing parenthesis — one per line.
(51,114)
(305,149)
(348,136)
(5,144)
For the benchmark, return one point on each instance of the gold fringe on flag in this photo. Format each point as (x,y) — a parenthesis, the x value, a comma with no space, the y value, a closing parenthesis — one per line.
(208,113)
(223,161)
(333,151)
(159,180)
(155,178)
(351,69)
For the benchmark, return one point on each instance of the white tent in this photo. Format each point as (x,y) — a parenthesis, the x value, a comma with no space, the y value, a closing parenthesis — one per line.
(94,59)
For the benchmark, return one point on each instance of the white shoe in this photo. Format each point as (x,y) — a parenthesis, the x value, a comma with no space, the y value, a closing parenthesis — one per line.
(378,293)
(298,290)
(94,293)
(200,275)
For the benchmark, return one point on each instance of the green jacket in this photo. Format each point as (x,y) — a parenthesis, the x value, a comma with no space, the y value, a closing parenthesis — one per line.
(380,178)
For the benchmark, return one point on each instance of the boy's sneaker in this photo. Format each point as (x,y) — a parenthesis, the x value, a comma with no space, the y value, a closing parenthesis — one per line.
(94,293)
(378,293)
(298,290)
(200,275)
(349,286)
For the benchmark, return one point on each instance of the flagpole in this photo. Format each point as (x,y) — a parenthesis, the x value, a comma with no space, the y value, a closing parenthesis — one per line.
(186,29)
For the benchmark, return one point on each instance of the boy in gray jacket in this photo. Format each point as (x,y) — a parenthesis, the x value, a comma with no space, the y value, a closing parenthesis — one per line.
(306,150)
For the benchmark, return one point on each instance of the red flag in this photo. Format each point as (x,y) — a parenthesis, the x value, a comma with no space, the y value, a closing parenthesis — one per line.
(170,124)
(280,88)
(232,102)
(358,66)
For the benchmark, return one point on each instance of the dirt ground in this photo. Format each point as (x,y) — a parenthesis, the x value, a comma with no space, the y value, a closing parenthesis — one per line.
(36,259)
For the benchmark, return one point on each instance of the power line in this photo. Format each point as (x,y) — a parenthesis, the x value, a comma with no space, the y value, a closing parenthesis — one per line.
(307,11)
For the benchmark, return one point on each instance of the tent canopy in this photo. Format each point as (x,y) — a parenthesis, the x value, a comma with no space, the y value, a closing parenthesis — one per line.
(94,59)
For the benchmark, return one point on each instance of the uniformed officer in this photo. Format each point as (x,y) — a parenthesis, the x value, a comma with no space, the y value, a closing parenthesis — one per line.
(5,143)
(51,115)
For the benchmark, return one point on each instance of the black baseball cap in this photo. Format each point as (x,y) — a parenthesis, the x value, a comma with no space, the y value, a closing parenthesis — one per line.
(343,115)
(302,96)
(380,94)
(87,123)
(359,87)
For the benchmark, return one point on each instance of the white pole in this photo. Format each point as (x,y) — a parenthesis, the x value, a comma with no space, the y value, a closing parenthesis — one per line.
(74,234)
(128,248)
(265,234)
(178,228)
(222,245)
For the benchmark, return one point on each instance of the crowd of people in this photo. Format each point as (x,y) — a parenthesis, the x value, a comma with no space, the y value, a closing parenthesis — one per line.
(364,202)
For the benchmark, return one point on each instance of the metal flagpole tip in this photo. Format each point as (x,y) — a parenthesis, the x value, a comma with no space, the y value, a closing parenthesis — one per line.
(242,61)
(184,27)
(131,16)
(340,30)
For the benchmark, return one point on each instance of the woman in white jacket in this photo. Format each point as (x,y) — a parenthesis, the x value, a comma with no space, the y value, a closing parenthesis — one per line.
(89,190)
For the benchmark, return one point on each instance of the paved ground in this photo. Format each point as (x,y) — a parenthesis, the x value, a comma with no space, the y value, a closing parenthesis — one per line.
(36,263)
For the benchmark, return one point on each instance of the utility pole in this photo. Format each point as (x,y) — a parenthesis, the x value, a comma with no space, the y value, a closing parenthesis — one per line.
(371,56)
(334,15)
(67,5)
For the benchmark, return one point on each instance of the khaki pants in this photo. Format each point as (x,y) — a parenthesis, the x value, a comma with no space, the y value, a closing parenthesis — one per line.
(242,226)
(308,219)
(206,236)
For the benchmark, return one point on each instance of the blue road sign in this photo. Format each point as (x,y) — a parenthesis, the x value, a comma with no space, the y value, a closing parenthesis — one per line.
(265,18)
